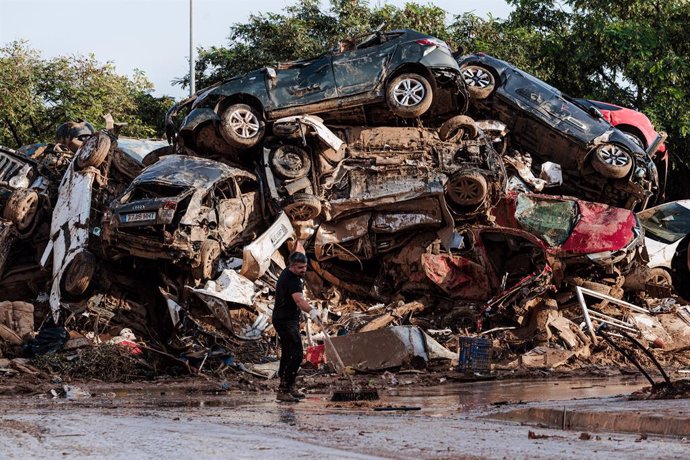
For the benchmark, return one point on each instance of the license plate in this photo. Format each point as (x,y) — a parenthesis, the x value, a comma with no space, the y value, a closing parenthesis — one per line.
(139,216)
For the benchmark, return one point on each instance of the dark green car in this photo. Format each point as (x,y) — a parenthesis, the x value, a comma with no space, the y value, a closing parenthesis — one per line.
(402,68)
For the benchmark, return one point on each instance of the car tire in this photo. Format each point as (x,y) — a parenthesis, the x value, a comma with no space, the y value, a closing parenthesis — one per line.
(302,206)
(242,126)
(659,276)
(290,162)
(611,161)
(94,151)
(467,188)
(409,95)
(458,128)
(479,81)
(208,256)
(22,208)
(79,273)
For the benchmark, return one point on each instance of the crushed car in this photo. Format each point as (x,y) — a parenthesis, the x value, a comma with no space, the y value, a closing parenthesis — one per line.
(402,68)
(23,191)
(577,232)
(72,224)
(600,162)
(347,170)
(187,210)
(666,225)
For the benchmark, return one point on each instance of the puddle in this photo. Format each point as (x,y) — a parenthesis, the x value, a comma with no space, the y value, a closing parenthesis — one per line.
(476,395)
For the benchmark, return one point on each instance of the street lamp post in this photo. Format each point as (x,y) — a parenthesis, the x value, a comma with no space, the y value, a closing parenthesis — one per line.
(191,48)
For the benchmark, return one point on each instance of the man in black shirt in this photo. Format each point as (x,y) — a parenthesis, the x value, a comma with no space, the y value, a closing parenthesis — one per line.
(289,305)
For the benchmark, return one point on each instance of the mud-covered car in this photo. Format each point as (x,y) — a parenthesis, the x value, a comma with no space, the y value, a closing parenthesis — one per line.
(402,68)
(348,170)
(603,163)
(186,210)
(665,227)
(22,191)
(577,233)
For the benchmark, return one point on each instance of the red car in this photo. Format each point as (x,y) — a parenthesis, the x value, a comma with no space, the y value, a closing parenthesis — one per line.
(640,130)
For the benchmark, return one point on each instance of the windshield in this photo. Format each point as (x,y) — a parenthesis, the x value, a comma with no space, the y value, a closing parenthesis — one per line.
(667,223)
(550,220)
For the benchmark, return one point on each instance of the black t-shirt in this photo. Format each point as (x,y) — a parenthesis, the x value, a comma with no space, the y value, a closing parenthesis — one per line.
(285,308)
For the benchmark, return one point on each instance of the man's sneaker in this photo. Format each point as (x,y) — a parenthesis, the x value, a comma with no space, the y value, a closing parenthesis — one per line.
(296,393)
(286,396)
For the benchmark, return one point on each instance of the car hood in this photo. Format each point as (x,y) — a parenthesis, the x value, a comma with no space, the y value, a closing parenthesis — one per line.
(600,228)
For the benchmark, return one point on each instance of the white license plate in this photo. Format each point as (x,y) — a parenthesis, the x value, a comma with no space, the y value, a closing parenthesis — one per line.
(139,216)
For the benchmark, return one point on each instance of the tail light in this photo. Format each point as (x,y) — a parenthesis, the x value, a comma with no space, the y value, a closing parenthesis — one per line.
(435,43)
(168,211)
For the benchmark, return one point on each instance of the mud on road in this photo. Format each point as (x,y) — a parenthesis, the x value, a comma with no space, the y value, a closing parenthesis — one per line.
(185,421)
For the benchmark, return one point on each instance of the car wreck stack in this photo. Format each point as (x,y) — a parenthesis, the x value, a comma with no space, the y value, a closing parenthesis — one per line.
(407,175)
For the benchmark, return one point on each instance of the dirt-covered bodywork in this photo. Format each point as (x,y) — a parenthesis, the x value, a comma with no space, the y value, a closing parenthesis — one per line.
(599,162)
(404,68)
(185,209)
(349,170)
(23,191)
(576,232)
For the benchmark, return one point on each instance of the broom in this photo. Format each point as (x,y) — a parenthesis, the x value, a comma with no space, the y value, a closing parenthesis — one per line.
(356,394)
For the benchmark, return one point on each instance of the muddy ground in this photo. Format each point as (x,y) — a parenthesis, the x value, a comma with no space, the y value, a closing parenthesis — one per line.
(217,419)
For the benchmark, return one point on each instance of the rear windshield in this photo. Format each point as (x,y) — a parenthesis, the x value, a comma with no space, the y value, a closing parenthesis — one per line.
(153,191)
(667,223)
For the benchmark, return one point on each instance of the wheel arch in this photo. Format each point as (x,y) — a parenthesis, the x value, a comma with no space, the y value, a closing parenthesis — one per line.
(634,130)
(241,98)
(413,67)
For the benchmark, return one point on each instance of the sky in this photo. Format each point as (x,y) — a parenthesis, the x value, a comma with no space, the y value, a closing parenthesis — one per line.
(153,35)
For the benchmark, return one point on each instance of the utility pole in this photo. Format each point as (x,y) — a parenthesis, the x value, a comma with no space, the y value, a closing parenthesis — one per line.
(191,48)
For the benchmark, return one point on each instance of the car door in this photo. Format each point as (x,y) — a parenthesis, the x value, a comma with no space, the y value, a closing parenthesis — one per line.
(303,82)
(360,70)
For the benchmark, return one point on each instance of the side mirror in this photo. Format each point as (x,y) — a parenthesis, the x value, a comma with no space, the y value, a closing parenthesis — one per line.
(593,111)
(459,52)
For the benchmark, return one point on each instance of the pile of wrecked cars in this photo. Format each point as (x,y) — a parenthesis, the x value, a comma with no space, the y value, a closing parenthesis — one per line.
(457,194)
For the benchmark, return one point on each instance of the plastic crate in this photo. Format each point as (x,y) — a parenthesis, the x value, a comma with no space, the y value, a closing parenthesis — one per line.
(474,354)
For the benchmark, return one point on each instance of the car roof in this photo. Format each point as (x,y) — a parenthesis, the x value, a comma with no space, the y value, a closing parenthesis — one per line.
(188,171)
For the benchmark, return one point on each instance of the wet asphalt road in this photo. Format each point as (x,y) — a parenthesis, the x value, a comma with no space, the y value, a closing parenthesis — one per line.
(450,423)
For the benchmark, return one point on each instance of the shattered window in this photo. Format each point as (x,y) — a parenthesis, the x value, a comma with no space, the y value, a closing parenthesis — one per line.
(668,223)
(550,220)
(153,191)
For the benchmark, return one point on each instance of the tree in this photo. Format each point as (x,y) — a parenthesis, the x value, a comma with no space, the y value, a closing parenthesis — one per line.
(38,95)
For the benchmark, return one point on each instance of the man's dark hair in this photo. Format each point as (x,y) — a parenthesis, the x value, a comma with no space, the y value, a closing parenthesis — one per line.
(297,258)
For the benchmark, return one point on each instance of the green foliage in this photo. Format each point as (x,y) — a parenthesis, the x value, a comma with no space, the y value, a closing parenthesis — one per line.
(38,95)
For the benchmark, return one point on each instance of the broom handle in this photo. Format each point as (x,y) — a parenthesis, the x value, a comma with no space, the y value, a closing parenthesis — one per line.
(337,355)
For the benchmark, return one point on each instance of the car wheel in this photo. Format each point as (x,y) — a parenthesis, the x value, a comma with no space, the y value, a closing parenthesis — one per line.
(21,209)
(79,273)
(242,126)
(611,161)
(409,95)
(208,256)
(94,151)
(479,80)
(659,276)
(467,189)
(302,206)
(290,162)
(458,128)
